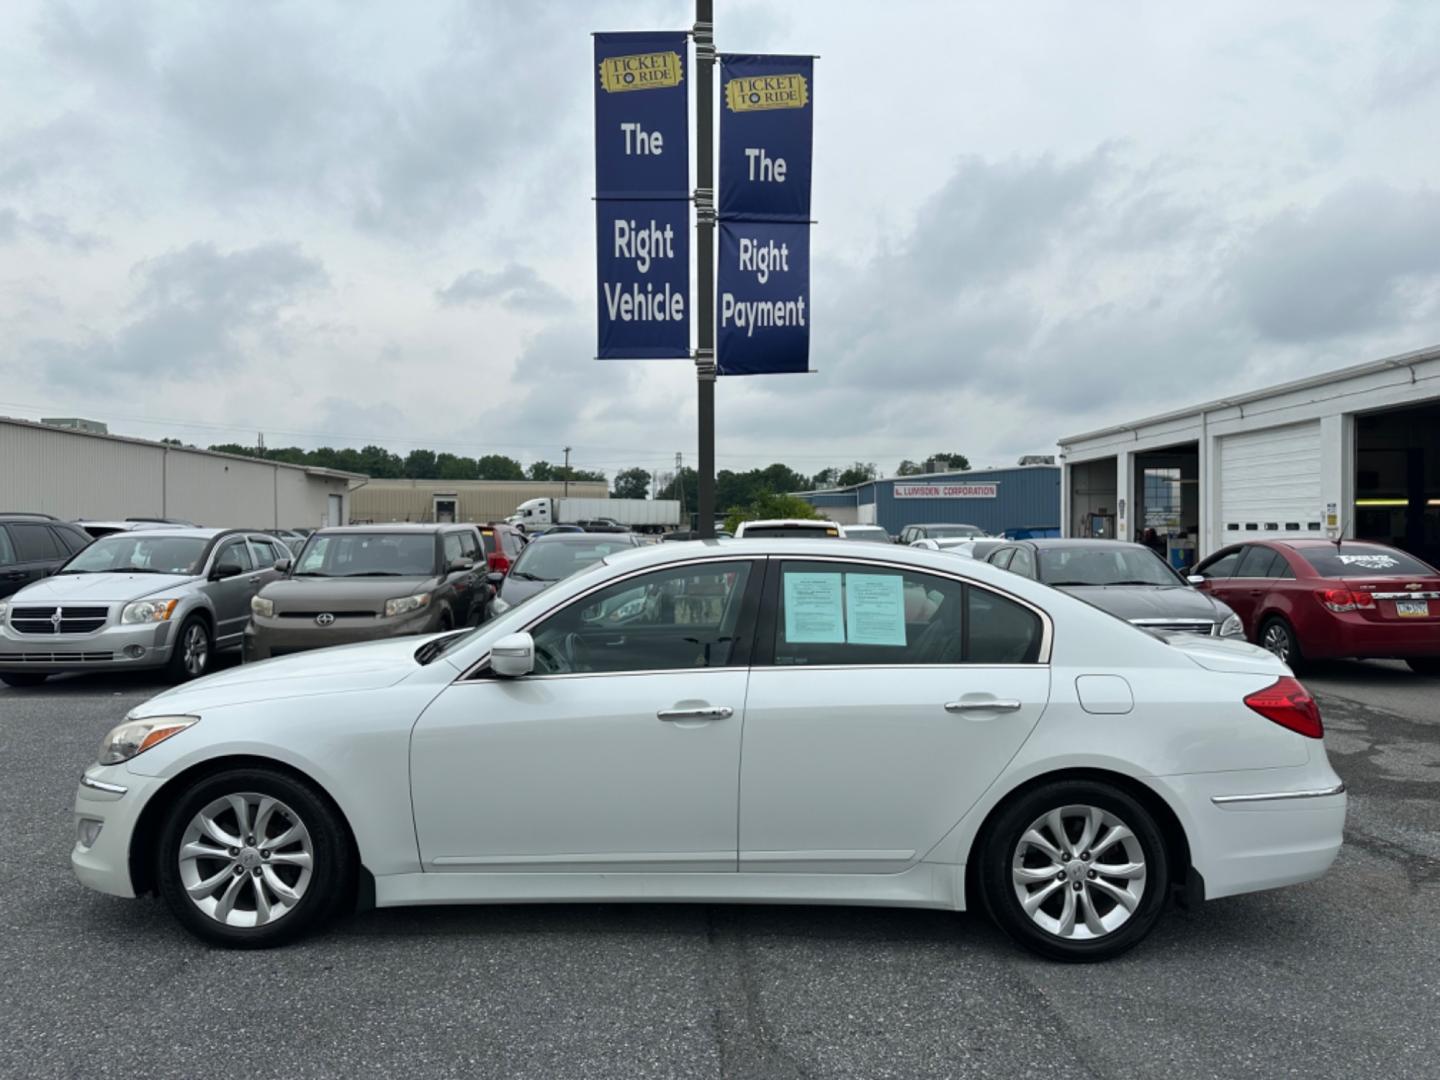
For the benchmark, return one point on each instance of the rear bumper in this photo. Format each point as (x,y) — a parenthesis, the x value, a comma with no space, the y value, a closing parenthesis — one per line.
(1260,829)
(265,638)
(1353,635)
(112,647)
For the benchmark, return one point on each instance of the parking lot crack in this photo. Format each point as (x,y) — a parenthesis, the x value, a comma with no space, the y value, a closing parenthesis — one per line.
(746,1045)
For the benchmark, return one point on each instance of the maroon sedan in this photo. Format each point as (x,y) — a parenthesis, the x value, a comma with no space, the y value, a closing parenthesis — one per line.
(1316,599)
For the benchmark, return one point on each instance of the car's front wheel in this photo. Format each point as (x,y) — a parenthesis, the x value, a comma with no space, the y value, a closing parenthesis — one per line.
(190,657)
(1075,870)
(251,858)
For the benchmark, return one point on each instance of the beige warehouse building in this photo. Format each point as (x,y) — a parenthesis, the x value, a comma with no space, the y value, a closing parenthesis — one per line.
(81,474)
(459,500)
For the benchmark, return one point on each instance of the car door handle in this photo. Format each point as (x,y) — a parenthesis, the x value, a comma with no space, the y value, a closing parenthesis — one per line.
(707,712)
(988,705)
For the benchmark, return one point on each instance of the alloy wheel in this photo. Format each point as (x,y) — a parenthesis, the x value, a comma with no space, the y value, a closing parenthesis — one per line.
(1078,872)
(196,649)
(246,859)
(1277,641)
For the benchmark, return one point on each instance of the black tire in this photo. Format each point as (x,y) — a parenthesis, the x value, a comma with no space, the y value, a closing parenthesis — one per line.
(446,622)
(331,882)
(178,668)
(23,678)
(1425,665)
(1286,645)
(1001,847)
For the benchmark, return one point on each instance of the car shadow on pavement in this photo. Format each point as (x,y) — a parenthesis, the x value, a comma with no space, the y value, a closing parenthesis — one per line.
(150,681)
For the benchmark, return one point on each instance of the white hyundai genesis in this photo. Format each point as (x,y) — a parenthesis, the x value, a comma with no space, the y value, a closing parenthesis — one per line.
(769,721)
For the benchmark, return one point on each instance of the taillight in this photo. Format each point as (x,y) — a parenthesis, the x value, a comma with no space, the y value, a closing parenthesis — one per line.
(1345,599)
(1290,705)
(499,562)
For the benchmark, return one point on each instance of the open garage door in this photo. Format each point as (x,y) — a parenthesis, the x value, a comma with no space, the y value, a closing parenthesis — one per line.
(1397,479)
(1270,483)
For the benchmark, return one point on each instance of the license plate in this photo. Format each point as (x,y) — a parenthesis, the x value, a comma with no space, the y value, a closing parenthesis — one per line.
(1412,609)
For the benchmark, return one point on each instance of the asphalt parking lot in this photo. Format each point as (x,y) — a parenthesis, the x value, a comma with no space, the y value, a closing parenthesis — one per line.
(1333,979)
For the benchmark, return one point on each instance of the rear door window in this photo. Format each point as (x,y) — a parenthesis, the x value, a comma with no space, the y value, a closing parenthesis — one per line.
(35,543)
(856,614)
(1360,560)
(1022,562)
(1002,558)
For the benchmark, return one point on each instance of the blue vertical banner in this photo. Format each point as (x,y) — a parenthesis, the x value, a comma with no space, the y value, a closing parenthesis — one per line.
(642,195)
(766,139)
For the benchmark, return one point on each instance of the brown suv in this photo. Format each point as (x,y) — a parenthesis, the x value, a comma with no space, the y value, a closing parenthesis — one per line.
(362,582)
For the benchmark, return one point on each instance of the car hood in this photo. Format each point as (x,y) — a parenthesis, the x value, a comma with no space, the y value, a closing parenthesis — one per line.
(370,665)
(342,594)
(98,588)
(1150,601)
(513,589)
(1233,655)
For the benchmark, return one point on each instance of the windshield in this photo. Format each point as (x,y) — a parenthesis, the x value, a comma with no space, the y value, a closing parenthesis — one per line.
(1105,566)
(808,532)
(860,533)
(144,553)
(1364,560)
(368,555)
(552,560)
(964,532)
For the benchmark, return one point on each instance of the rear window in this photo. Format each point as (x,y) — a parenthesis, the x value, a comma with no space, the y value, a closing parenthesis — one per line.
(809,532)
(1364,560)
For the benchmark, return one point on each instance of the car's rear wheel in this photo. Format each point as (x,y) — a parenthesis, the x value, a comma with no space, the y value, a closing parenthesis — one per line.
(1075,871)
(1278,637)
(190,658)
(23,678)
(251,858)
(1424,665)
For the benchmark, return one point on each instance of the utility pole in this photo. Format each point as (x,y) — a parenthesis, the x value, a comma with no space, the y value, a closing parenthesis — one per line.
(704,34)
(680,483)
(567,471)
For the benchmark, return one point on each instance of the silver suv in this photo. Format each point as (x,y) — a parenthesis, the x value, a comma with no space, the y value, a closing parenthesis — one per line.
(152,598)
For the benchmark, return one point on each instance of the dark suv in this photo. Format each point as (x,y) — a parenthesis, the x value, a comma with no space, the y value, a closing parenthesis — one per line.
(33,546)
(363,582)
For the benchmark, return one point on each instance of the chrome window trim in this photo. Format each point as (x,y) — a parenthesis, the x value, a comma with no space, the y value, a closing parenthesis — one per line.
(1279,796)
(1047,632)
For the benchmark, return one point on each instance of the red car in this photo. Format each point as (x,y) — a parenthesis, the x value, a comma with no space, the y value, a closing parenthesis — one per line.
(1316,599)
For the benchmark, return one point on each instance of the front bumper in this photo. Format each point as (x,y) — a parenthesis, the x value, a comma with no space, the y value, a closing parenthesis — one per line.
(105,864)
(139,646)
(279,636)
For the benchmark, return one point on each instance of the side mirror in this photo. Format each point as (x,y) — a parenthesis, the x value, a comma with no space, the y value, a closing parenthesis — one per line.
(282,565)
(513,656)
(1196,579)
(459,565)
(494,577)
(225,570)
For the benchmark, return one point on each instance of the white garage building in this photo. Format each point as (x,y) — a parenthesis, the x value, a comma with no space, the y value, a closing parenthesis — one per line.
(78,474)
(1353,453)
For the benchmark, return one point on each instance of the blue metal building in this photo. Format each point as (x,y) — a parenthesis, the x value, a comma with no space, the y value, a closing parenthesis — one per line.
(1023,497)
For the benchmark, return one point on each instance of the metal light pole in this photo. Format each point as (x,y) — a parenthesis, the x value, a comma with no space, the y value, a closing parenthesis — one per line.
(704,34)
(567,472)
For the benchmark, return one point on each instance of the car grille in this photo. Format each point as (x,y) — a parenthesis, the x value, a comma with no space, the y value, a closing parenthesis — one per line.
(73,620)
(1182,626)
(338,614)
(56,658)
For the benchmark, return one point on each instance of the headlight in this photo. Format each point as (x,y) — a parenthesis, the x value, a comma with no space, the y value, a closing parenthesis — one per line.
(136,736)
(1232,627)
(143,611)
(262,607)
(405,604)
(4,607)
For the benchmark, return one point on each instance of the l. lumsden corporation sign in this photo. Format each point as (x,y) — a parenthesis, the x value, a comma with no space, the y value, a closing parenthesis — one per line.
(946,491)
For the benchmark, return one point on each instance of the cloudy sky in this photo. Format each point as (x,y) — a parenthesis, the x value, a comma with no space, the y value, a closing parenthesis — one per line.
(371,221)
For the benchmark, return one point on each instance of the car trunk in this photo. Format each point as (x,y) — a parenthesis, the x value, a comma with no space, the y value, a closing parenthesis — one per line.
(1395,599)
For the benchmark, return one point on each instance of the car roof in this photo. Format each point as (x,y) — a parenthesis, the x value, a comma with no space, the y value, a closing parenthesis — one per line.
(941,525)
(1051,543)
(398,527)
(163,531)
(804,523)
(580,537)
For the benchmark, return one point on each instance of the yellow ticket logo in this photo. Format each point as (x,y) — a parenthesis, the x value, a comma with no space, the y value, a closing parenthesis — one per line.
(755,92)
(646,71)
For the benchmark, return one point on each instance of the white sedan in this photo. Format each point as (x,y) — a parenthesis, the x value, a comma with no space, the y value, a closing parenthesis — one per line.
(918,731)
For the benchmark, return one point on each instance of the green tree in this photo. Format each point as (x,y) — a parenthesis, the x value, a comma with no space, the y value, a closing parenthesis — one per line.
(381,463)
(947,463)
(592,475)
(420,464)
(543,470)
(685,487)
(632,484)
(499,467)
(826,478)
(450,467)
(909,468)
(771,506)
(858,473)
